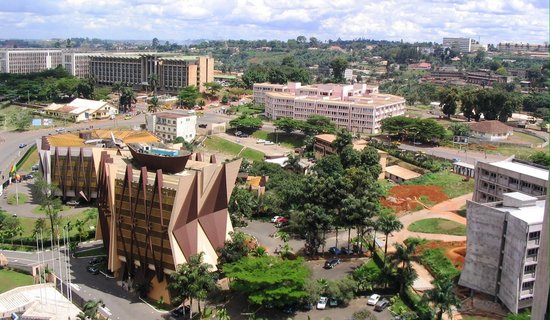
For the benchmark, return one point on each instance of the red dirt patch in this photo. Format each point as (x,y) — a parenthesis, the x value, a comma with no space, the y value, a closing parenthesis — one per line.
(454,250)
(405,197)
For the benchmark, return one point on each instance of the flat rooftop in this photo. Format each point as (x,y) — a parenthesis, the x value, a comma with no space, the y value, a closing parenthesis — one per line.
(530,214)
(72,139)
(522,168)
(402,173)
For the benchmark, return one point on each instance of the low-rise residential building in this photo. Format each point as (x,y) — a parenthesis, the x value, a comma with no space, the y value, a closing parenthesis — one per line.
(80,110)
(491,130)
(485,78)
(399,174)
(358,107)
(503,248)
(493,179)
(420,66)
(170,124)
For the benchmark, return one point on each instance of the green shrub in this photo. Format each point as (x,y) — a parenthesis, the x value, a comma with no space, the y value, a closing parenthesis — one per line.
(438,264)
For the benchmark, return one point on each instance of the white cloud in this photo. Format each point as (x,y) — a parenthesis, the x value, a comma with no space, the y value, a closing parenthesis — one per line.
(413,20)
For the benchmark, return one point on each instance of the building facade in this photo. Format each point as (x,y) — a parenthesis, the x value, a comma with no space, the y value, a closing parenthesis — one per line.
(168,125)
(173,71)
(358,108)
(23,61)
(485,78)
(503,249)
(80,110)
(490,130)
(462,44)
(77,64)
(493,179)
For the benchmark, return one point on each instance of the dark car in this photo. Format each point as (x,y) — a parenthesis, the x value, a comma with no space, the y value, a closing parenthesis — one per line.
(28,177)
(203,125)
(381,305)
(329,264)
(334,250)
(291,309)
(345,250)
(92,270)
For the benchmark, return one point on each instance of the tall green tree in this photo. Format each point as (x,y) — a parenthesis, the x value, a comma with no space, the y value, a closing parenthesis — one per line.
(192,280)
(442,297)
(338,66)
(213,88)
(234,249)
(448,101)
(45,194)
(127,99)
(21,120)
(343,139)
(153,105)
(188,96)
(153,82)
(246,123)
(269,280)
(287,125)
(388,223)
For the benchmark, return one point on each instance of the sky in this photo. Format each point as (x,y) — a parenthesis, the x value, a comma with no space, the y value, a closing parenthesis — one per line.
(490,21)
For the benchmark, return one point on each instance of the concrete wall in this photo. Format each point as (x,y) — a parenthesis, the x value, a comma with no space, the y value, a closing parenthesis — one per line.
(513,262)
(540,301)
(485,228)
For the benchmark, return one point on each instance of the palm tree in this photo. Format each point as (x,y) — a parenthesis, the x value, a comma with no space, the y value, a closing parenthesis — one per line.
(388,223)
(153,82)
(293,163)
(117,87)
(406,276)
(89,311)
(127,98)
(404,253)
(153,105)
(442,296)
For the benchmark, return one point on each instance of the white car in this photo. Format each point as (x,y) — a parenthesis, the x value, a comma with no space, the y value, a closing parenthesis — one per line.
(275,218)
(322,304)
(268,143)
(260,141)
(373,299)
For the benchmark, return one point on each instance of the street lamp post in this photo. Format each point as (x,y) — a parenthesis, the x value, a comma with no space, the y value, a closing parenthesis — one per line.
(276,136)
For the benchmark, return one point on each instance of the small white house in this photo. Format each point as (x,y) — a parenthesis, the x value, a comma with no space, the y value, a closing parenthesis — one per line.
(170,124)
(80,110)
(490,130)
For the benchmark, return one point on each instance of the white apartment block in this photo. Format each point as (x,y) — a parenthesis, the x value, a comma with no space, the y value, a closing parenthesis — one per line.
(493,179)
(173,123)
(504,249)
(462,44)
(29,60)
(358,108)
(77,64)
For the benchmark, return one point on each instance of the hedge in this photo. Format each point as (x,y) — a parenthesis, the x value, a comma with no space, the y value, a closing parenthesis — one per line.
(438,264)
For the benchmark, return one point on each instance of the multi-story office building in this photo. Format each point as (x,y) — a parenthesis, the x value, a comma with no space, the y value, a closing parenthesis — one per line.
(77,63)
(503,249)
(461,44)
(29,60)
(171,124)
(154,212)
(485,78)
(522,47)
(496,178)
(174,71)
(358,108)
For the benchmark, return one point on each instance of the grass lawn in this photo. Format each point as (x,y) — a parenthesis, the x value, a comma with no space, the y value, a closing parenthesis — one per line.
(28,224)
(13,109)
(38,209)
(527,138)
(452,184)
(13,199)
(399,307)
(10,279)
(289,140)
(31,160)
(218,144)
(439,226)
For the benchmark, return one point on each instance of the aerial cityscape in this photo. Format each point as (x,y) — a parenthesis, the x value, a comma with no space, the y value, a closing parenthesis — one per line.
(260,160)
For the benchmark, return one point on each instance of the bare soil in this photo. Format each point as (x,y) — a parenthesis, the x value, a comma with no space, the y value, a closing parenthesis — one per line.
(405,198)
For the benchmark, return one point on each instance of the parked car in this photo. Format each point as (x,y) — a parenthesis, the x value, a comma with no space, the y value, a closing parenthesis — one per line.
(332,302)
(268,143)
(373,299)
(92,270)
(60,130)
(35,167)
(281,219)
(334,250)
(381,305)
(282,223)
(260,141)
(22,145)
(203,125)
(238,133)
(244,135)
(322,304)
(28,177)
(345,250)
(291,309)
(331,263)
(73,203)
(275,218)
(128,117)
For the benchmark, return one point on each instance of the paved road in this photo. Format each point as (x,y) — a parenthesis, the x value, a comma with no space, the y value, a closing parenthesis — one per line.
(120,303)
(469,156)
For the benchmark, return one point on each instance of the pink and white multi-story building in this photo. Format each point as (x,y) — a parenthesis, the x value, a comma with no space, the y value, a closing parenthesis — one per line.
(358,107)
